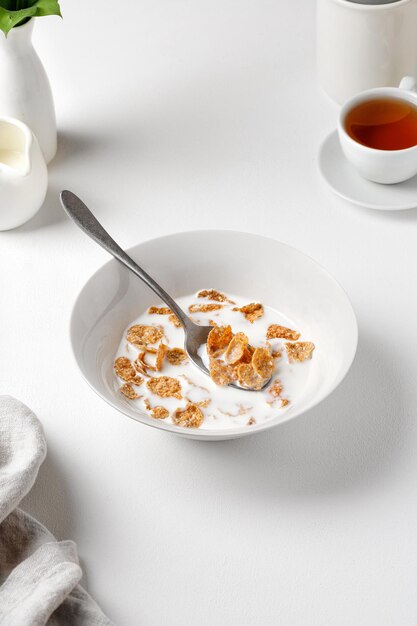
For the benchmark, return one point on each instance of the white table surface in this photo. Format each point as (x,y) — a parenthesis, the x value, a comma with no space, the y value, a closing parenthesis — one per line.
(205,114)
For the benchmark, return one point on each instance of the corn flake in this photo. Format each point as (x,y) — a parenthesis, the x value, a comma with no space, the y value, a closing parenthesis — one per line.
(190,417)
(165,387)
(218,339)
(174,320)
(262,362)
(251,311)
(251,421)
(176,356)
(141,334)
(159,310)
(213,294)
(124,368)
(204,308)
(128,391)
(247,376)
(160,355)
(221,373)
(236,348)
(159,412)
(299,351)
(139,366)
(140,361)
(275,331)
(247,354)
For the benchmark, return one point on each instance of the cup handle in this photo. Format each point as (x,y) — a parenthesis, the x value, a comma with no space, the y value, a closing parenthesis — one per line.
(408,83)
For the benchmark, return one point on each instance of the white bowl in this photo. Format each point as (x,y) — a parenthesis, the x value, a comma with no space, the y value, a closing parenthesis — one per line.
(254,267)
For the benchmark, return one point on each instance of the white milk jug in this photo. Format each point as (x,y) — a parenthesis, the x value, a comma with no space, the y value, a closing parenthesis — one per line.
(23,174)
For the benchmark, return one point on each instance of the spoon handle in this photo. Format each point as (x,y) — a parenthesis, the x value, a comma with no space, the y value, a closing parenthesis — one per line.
(82,216)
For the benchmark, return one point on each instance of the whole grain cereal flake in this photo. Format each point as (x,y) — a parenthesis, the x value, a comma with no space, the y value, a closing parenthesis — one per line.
(300,350)
(176,356)
(262,362)
(204,308)
(213,294)
(140,361)
(221,373)
(142,334)
(236,348)
(139,366)
(247,354)
(159,412)
(275,331)
(159,310)
(160,355)
(190,417)
(124,368)
(218,339)
(165,387)
(251,311)
(248,378)
(174,320)
(128,391)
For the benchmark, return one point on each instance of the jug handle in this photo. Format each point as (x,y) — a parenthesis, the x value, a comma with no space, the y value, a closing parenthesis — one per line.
(408,83)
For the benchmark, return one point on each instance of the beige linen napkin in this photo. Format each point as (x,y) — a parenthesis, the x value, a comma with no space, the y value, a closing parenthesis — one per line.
(38,575)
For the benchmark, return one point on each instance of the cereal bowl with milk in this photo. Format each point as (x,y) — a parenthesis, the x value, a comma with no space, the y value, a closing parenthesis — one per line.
(276,316)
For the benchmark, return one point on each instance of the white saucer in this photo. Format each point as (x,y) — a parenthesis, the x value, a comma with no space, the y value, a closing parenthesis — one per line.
(340,175)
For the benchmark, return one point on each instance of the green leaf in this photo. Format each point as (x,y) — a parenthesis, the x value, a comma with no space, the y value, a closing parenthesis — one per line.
(47,7)
(9,19)
(13,12)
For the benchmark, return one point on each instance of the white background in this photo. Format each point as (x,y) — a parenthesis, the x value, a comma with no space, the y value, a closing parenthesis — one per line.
(178,115)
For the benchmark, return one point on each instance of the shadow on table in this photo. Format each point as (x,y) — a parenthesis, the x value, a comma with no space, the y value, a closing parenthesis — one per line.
(401,216)
(347,440)
(49,214)
(71,146)
(406,215)
(50,500)
(51,504)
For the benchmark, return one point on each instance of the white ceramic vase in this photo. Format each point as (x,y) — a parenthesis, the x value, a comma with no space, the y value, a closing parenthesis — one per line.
(25,93)
(23,174)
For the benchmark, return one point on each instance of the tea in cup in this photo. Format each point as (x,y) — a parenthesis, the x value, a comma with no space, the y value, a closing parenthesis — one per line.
(378,132)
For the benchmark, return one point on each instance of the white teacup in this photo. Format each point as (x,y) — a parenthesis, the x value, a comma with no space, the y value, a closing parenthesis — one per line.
(380,166)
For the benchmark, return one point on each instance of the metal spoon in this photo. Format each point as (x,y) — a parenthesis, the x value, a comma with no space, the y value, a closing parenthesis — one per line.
(195,335)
